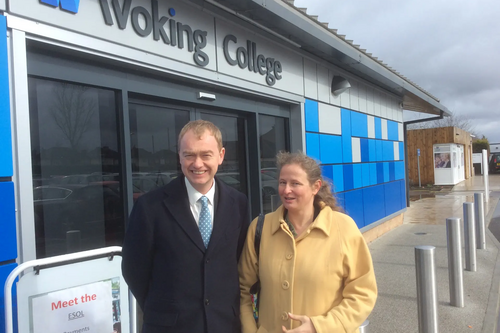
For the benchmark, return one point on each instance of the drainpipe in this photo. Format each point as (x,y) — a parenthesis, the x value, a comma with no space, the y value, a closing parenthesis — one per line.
(405,124)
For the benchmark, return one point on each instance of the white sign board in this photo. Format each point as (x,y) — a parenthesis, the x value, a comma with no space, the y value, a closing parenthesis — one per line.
(477,158)
(80,309)
(89,296)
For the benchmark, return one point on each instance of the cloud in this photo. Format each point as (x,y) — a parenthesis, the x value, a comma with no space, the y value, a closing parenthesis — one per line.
(449,48)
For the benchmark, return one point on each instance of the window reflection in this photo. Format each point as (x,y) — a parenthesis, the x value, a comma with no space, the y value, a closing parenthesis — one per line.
(154,131)
(273,138)
(76,167)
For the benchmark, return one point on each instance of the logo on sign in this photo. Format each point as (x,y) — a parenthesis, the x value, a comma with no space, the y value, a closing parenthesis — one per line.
(75,315)
(68,5)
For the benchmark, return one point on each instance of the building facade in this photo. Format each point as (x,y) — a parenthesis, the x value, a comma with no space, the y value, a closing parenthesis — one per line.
(95,94)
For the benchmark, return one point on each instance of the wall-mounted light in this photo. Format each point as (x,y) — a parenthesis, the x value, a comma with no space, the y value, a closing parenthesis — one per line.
(339,85)
(206,96)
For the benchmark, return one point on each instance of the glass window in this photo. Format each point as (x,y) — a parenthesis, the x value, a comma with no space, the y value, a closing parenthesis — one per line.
(233,169)
(273,138)
(154,131)
(76,167)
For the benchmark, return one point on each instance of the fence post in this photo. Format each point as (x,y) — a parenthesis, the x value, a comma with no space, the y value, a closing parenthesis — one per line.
(479,216)
(455,273)
(470,237)
(426,289)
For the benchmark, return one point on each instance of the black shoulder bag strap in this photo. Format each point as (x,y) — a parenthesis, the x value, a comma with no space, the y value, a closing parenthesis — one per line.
(258,233)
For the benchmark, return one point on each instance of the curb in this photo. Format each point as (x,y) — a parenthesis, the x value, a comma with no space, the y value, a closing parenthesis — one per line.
(490,322)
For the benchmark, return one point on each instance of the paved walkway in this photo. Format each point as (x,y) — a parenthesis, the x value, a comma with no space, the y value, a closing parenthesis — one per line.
(425,224)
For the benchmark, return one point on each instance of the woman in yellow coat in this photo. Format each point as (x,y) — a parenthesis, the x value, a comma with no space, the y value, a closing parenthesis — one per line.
(314,267)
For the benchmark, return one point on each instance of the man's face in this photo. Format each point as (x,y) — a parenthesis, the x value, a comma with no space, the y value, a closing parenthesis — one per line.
(200,158)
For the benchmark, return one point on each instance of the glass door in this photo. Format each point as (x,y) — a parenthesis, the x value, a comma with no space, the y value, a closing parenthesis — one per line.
(233,171)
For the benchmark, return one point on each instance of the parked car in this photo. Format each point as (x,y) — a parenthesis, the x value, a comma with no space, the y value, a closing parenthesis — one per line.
(494,165)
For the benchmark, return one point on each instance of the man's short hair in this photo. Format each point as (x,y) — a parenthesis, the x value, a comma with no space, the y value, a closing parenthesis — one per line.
(199,127)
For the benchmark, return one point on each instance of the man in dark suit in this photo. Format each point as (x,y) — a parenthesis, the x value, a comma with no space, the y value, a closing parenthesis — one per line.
(183,242)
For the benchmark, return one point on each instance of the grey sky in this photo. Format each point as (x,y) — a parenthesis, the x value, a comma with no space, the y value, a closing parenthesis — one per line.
(449,48)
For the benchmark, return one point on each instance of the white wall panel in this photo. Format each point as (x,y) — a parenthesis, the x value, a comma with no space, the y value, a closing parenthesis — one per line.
(400,132)
(396,151)
(310,80)
(388,103)
(376,103)
(369,100)
(356,150)
(384,129)
(383,105)
(329,119)
(362,98)
(371,127)
(354,96)
(323,84)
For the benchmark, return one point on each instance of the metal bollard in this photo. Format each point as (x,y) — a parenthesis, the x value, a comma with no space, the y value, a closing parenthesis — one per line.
(485,176)
(470,237)
(455,273)
(479,217)
(364,327)
(426,289)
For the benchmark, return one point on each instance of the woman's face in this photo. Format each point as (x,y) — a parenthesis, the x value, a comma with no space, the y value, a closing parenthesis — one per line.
(294,189)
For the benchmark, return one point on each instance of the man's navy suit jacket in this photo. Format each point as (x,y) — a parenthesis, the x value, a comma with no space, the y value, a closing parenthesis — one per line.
(181,286)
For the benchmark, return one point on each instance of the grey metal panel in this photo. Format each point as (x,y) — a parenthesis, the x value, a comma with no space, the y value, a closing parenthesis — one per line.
(281,18)
(3,5)
(168,87)
(22,153)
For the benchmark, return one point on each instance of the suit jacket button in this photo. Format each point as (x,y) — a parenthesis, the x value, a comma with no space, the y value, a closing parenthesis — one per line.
(208,260)
(207,302)
(284,316)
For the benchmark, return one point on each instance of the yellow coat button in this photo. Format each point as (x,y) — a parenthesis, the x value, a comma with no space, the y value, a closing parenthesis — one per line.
(289,256)
(285,285)
(284,316)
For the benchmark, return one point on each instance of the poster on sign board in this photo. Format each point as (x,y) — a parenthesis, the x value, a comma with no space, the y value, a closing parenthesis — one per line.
(93,307)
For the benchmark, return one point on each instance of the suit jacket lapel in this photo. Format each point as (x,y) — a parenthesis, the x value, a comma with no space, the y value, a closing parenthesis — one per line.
(177,203)
(224,205)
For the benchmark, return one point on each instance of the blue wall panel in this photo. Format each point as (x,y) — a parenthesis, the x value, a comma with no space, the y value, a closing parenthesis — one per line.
(386,172)
(354,206)
(380,151)
(6,168)
(346,136)
(311,115)
(359,124)
(378,128)
(327,172)
(8,241)
(365,151)
(365,174)
(388,151)
(4,273)
(403,193)
(338,178)
(330,148)
(380,173)
(312,145)
(348,181)
(372,150)
(401,151)
(356,176)
(374,203)
(373,173)
(392,171)
(400,170)
(392,197)
(392,130)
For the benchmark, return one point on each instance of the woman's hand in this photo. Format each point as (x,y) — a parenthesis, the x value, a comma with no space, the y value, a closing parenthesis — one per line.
(305,327)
